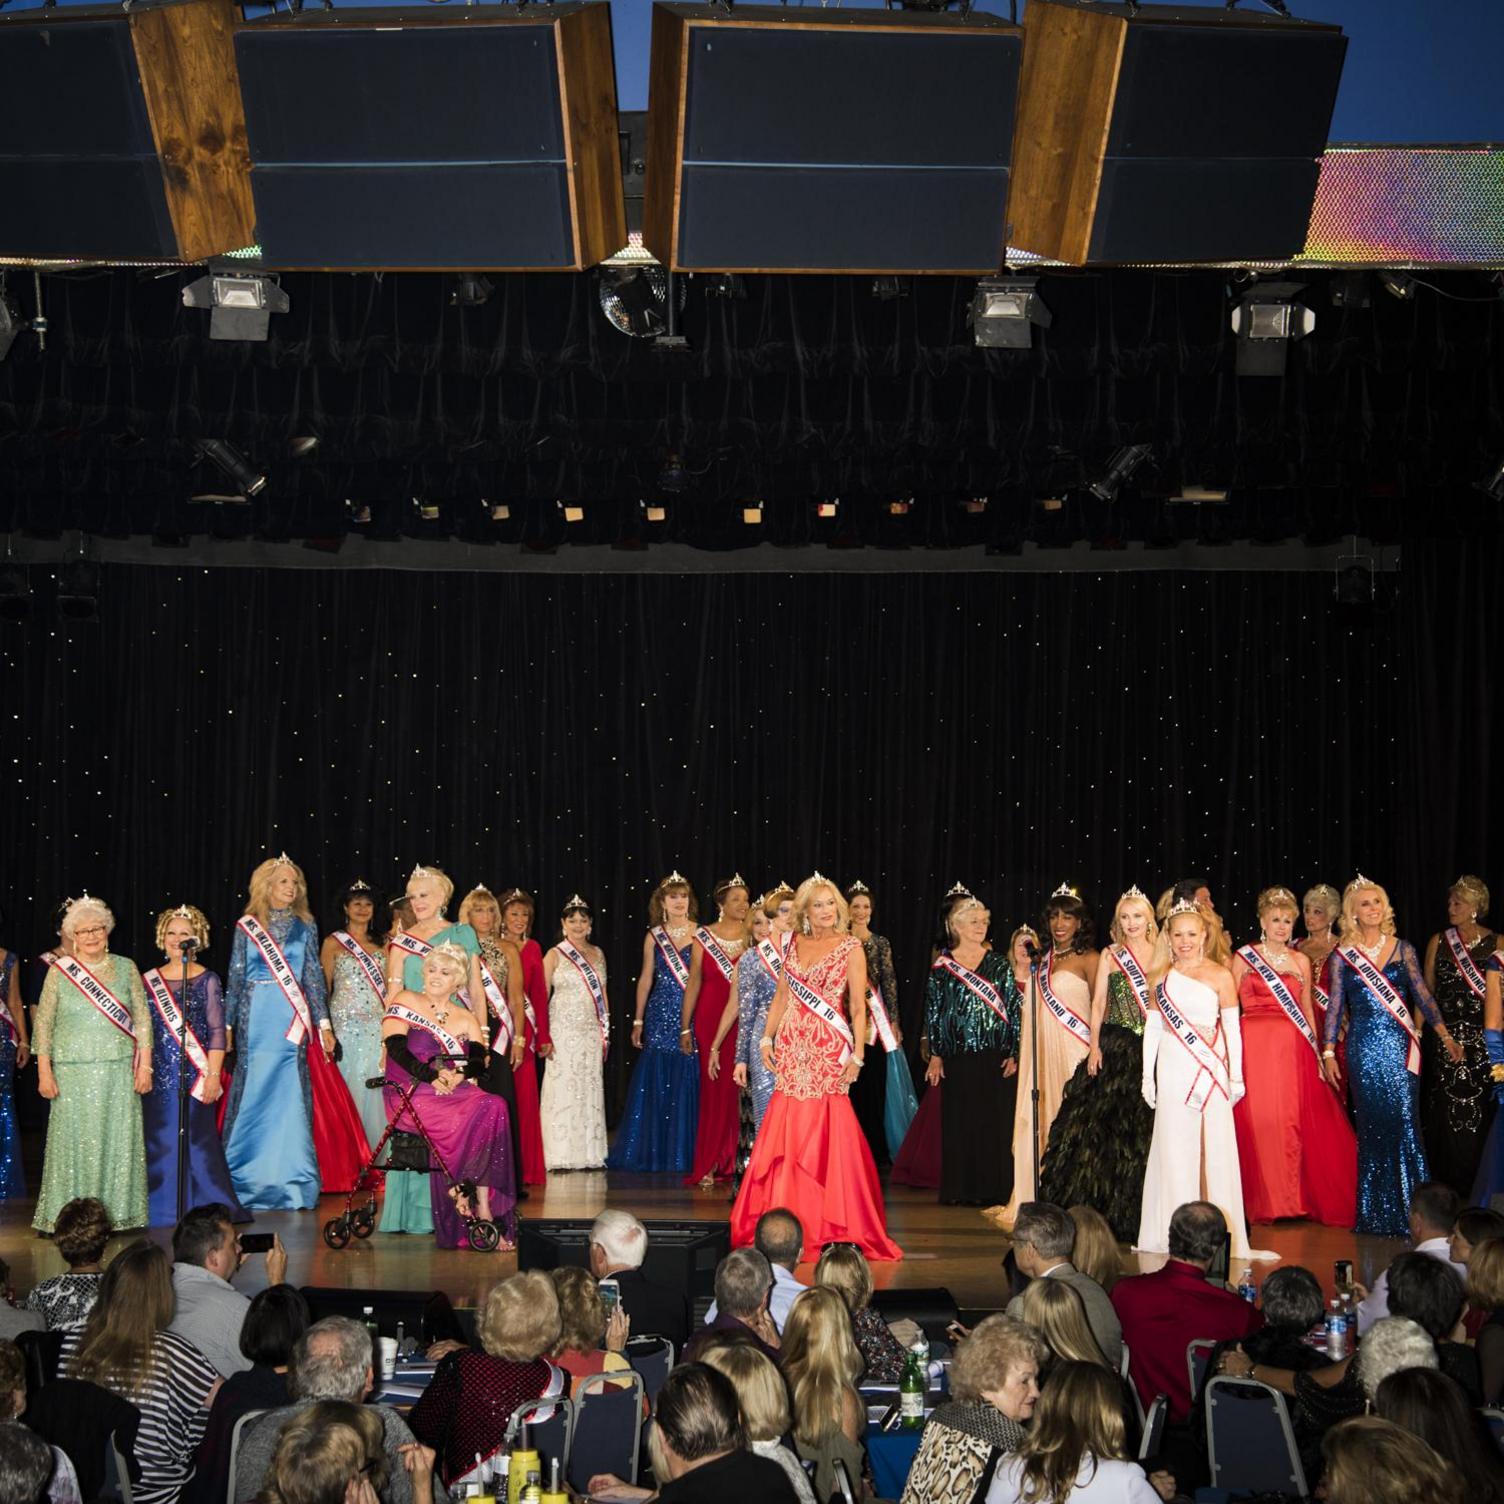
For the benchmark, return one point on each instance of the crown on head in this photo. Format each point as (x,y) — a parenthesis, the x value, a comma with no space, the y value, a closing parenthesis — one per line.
(1134,892)
(817,877)
(1359,882)
(736,880)
(858,887)
(959,890)
(514,895)
(360,885)
(182,912)
(574,901)
(421,871)
(967,904)
(482,888)
(283,860)
(676,876)
(69,904)
(1065,890)
(452,952)
(1184,906)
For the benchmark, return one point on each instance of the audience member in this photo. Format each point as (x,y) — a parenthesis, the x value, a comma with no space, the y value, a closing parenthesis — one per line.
(779,1238)
(1056,1312)
(1474,1224)
(332,1360)
(1434,1209)
(471,1397)
(822,1366)
(618,1245)
(588,1343)
(994,1385)
(206,1255)
(332,1454)
(1485,1293)
(743,1283)
(80,1234)
(1095,1252)
(62,1486)
(843,1267)
(763,1397)
(26,1463)
(14,1319)
(1427,1291)
(125,1346)
(1043,1238)
(1434,1408)
(1163,1312)
(1374,1461)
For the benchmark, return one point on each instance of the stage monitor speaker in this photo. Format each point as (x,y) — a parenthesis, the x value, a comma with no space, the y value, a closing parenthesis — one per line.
(476,139)
(121,134)
(1170,134)
(805,140)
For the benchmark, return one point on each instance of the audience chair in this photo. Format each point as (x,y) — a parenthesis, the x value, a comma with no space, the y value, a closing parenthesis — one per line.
(1495,1420)
(121,1471)
(84,1420)
(43,1352)
(1197,1355)
(235,1435)
(607,1428)
(1249,1440)
(1152,1436)
(550,1426)
(845,1493)
(651,1357)
(1123,1363)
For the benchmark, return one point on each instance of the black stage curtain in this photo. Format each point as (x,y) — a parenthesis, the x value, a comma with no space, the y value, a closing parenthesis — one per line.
(591,733)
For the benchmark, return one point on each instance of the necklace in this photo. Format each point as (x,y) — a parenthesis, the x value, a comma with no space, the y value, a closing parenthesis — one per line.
(1372,951)
(1063,950)
(1276,958)
(677,932)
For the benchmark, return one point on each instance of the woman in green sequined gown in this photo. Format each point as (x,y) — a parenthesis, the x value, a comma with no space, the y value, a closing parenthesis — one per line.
(1099,1143)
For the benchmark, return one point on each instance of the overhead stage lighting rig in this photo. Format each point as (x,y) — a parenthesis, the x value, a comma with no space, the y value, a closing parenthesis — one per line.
(225,457)
(1266,319)
(1120,468)
(241,303)
(1005,311)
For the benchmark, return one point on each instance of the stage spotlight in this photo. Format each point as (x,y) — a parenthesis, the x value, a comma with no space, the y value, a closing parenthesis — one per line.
(1266,319)
(225,457)
(78,590)
(654,511)
(1397,285)
(673,478)
(1350,290)
(975,505)
(900,508)
(428,511)
(572,510)
(1004,312)
(752,513)
(358,512)
(828,509)
(887,289)
(242,303)
(1492,485)
(11,322)
(15,592)
(470,290)
(302,446)
(1193,495)
(1119,469)
(500,511)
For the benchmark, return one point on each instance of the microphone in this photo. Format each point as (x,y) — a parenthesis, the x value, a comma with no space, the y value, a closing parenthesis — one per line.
(188,947)
(1030,949)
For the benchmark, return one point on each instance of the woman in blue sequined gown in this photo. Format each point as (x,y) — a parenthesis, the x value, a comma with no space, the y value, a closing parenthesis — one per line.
(752,992)
(1383,1057)
(208,1175)
(657,1131)
(15,1052)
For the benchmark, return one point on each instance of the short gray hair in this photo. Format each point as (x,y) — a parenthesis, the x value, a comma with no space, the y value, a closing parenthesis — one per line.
(622,1238)
(1393,1343)
(1048,1229)
(1292,1298)
(742,1281)
(330,1361)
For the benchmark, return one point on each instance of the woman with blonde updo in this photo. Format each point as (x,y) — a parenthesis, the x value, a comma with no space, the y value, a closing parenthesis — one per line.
(1295,1145)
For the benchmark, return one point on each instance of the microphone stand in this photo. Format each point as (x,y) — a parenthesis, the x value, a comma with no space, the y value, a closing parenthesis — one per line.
(1034,1064)
(187,950)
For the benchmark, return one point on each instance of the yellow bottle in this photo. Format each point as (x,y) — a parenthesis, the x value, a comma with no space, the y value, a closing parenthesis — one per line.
(524,1461)
(554,1494)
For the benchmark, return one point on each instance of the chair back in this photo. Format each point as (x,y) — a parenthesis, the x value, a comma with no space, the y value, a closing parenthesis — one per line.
(845,1493)
(1123,1363)
(652,1357)
(86,1421)
(550,1426)
(1153,1435)
(1250,1443)
(1198,1355)
(239,1430)
(607,1428)
(121,1472)
(43,1352)
(1495,1420)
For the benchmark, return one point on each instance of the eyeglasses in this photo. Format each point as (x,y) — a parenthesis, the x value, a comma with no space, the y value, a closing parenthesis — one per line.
(94,929)
(841,1243)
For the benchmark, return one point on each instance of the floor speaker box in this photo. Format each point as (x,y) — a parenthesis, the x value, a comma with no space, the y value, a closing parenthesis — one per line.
(805,139)
(1171,133)
(121,133)
(476,138)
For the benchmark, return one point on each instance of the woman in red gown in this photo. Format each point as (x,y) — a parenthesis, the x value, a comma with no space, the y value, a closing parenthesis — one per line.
(1296,1147)
(811,1155)
(517,910)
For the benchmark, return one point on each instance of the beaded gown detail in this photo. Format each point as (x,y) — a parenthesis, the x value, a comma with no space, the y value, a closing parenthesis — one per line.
(755,987)
(719,1118)
(12,1175)
(355,1010)
(810,1155)
(498,1078)
(1489,1181)
(1099,1142)
(531,1160)
(573,1100)
(1457,1100)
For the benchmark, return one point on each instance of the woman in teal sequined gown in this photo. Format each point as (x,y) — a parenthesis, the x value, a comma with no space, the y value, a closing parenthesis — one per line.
(357,1001)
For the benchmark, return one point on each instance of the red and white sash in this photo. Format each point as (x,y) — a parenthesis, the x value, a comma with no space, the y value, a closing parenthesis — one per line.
(1213,1075)
(276,963)
(1465,963)
(671,957)
(171,1015)
(413,945)
(1068,1019)
(1383,989)
(974,983)
(771,954)
(98,994)
(1255,962)
(832,1018)
(594,986)
(713,948)
(411,1016)
(373,973)
(879,1025)
(1127,963)
(501,1009)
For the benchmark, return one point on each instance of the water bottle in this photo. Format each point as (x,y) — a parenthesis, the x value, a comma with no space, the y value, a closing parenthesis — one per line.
(1350,1317)
(1246,1287)
(401,1338)
(911,1388)
(1336,1333)
(368,1320)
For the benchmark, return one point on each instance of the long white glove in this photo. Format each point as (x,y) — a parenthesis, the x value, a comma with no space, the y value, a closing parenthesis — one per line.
(1154,1028)
(1233,1029)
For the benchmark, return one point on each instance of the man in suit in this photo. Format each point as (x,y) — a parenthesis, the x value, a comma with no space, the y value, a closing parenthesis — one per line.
(618,1245)
(1043,1237)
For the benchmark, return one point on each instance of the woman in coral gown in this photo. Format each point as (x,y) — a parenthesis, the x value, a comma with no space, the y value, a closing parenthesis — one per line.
(518,915)
(1296,1148)
(811,1155)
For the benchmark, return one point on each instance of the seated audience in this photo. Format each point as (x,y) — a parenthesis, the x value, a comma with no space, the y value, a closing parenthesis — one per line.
(1055,1311)
(1044,1236)
(822,1365)
(1095,1253)
(743,1283)
(1427,1291)
(764,1399)
(277,1317)
(206,1255)
(332,1453)
(1165,1311)
(80,1234)
(1485,1293)
(843,1267)
(1077,1447)
(332,1360)
(63,1480)
(125,1346)
(779,1238)
(1474,1224)
(618,1245)
(14,1319)
(1433,1407)
(465,1409)
(994,1385)
(1434,1209)
(26,1463)
(1373,1461)
(588,1343)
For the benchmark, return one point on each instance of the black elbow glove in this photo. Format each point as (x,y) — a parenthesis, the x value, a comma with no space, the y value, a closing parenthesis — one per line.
(420,1070)
(476,1060)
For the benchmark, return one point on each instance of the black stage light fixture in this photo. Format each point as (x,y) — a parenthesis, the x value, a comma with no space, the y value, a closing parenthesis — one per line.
(1492,485)
(359,512)
(1194,494)
(78,590)
(1397,285)
(1005,311)
(11,321)
(470,290)
(752,512)
(1350,290)
(728,286)
(500,511)
(241,303)
(673,478)
(888,289)
(302,445)
(635,300)
(15,592)
(427,510)
(1266,319)
(1120,468)
(1353,579)
(225,457)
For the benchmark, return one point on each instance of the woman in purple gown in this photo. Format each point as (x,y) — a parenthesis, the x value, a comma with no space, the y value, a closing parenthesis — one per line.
(208,1175)
(433,1039)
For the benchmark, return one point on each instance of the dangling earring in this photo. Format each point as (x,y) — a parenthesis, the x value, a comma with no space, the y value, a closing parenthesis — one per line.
(1263,935)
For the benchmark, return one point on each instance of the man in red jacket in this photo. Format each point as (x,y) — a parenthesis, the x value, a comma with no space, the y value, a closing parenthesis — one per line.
(1163,1312)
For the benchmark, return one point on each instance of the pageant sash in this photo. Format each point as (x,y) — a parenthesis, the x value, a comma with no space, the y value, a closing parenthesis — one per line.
(98,994)
(411,944)
(712,948)
(1465,963)
(411,1016)
(594,986)
(1255,962)
(276,963)
(368,965)
(974,983)
(172,1017)
(1383,989)
(880,1022)
(1213,1075)
(832,1018)
(1067,1018)
(501,1009)
(671,957)
(771,957)
(1128,965)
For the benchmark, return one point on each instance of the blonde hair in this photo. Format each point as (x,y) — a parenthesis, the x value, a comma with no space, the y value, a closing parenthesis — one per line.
(1059,1313)
(582,1313)
(481,898)
(983,1360)
(845,1270)
(195,917)
(658,912)
(84,908)
(1095,1251)
(1134,901)
(953,911)
(520,1318)
(806,896)
(323,1449)
(1023,929)
(1373,1461)
(1485,1274)
(453,956)
(434,874)
(1474,890)
(1276,898)
(1347,924)
(259,900)
(1164,958)
(820,1361)
(760,1388)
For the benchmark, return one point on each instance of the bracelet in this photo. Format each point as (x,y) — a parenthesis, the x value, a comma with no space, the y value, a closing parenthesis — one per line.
(1497,1073)
(1329,1054)
(860,1061)
(683,1032)
(767,1040)
(636,1023)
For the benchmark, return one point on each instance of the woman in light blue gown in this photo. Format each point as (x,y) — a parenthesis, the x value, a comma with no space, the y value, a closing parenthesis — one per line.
(355,968)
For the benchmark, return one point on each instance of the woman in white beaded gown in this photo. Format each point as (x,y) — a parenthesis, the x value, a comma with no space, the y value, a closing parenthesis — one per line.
(1193,1074)
(573,1103)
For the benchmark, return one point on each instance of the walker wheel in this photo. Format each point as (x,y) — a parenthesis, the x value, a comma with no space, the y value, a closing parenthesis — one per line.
(337,1232)
(363,1222)
(484,1236)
